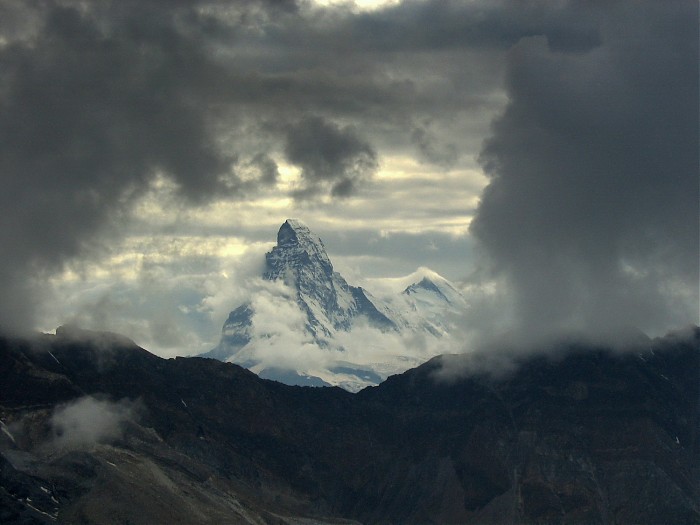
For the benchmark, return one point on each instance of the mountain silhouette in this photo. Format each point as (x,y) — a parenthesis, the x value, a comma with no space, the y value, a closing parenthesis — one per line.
(578,434)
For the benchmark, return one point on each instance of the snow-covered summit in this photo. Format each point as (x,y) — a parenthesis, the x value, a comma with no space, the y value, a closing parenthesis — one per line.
(293,231)
(436,285)
(296,246)
(318,311)
(330,303)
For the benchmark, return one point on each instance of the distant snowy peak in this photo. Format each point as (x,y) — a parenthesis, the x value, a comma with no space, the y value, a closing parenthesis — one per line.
(294,232)
(329,302)
(435,304)
(297,247)
(437,287)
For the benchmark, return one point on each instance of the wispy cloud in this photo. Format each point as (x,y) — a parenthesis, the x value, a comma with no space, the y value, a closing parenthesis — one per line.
(89,421)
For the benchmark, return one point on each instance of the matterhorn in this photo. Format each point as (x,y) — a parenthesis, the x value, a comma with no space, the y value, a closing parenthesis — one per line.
(307,326)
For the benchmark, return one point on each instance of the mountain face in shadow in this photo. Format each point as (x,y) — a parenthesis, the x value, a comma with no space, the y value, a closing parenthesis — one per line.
(97,430)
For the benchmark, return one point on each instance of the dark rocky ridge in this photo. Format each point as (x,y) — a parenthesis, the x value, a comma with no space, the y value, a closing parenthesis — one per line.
(588,437)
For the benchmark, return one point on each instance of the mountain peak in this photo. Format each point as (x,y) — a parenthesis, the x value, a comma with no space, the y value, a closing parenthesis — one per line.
(300,259)
(331,309)
(296,224)
(427,279)
(297,247)
(294,231)
(294,237)
(426,283)
(435,285)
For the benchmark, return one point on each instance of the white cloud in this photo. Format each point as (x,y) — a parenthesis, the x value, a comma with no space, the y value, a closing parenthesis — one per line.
(172,298)
(88,421)
(280,341)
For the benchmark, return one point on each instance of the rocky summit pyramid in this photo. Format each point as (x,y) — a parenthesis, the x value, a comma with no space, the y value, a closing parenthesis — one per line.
(329,302)
(309,326)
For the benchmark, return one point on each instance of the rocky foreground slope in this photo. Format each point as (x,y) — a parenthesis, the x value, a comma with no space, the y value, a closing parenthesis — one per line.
(97,430)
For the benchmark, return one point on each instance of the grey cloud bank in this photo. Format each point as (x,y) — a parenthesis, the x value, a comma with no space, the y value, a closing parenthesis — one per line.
(329,156)
(589,220)
(93,108)
(591,213)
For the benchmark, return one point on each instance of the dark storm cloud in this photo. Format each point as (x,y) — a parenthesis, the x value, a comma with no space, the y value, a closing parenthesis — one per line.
(435,151)
(99,100)
(444,24)
(96,100)
(432,25)
(331,158)
(266,167)
(392,70)
(592,209)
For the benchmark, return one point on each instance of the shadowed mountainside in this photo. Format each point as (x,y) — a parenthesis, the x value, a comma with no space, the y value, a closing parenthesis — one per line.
(588,436)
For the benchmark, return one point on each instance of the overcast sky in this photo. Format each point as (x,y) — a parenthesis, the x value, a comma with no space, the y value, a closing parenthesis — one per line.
(542,154)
